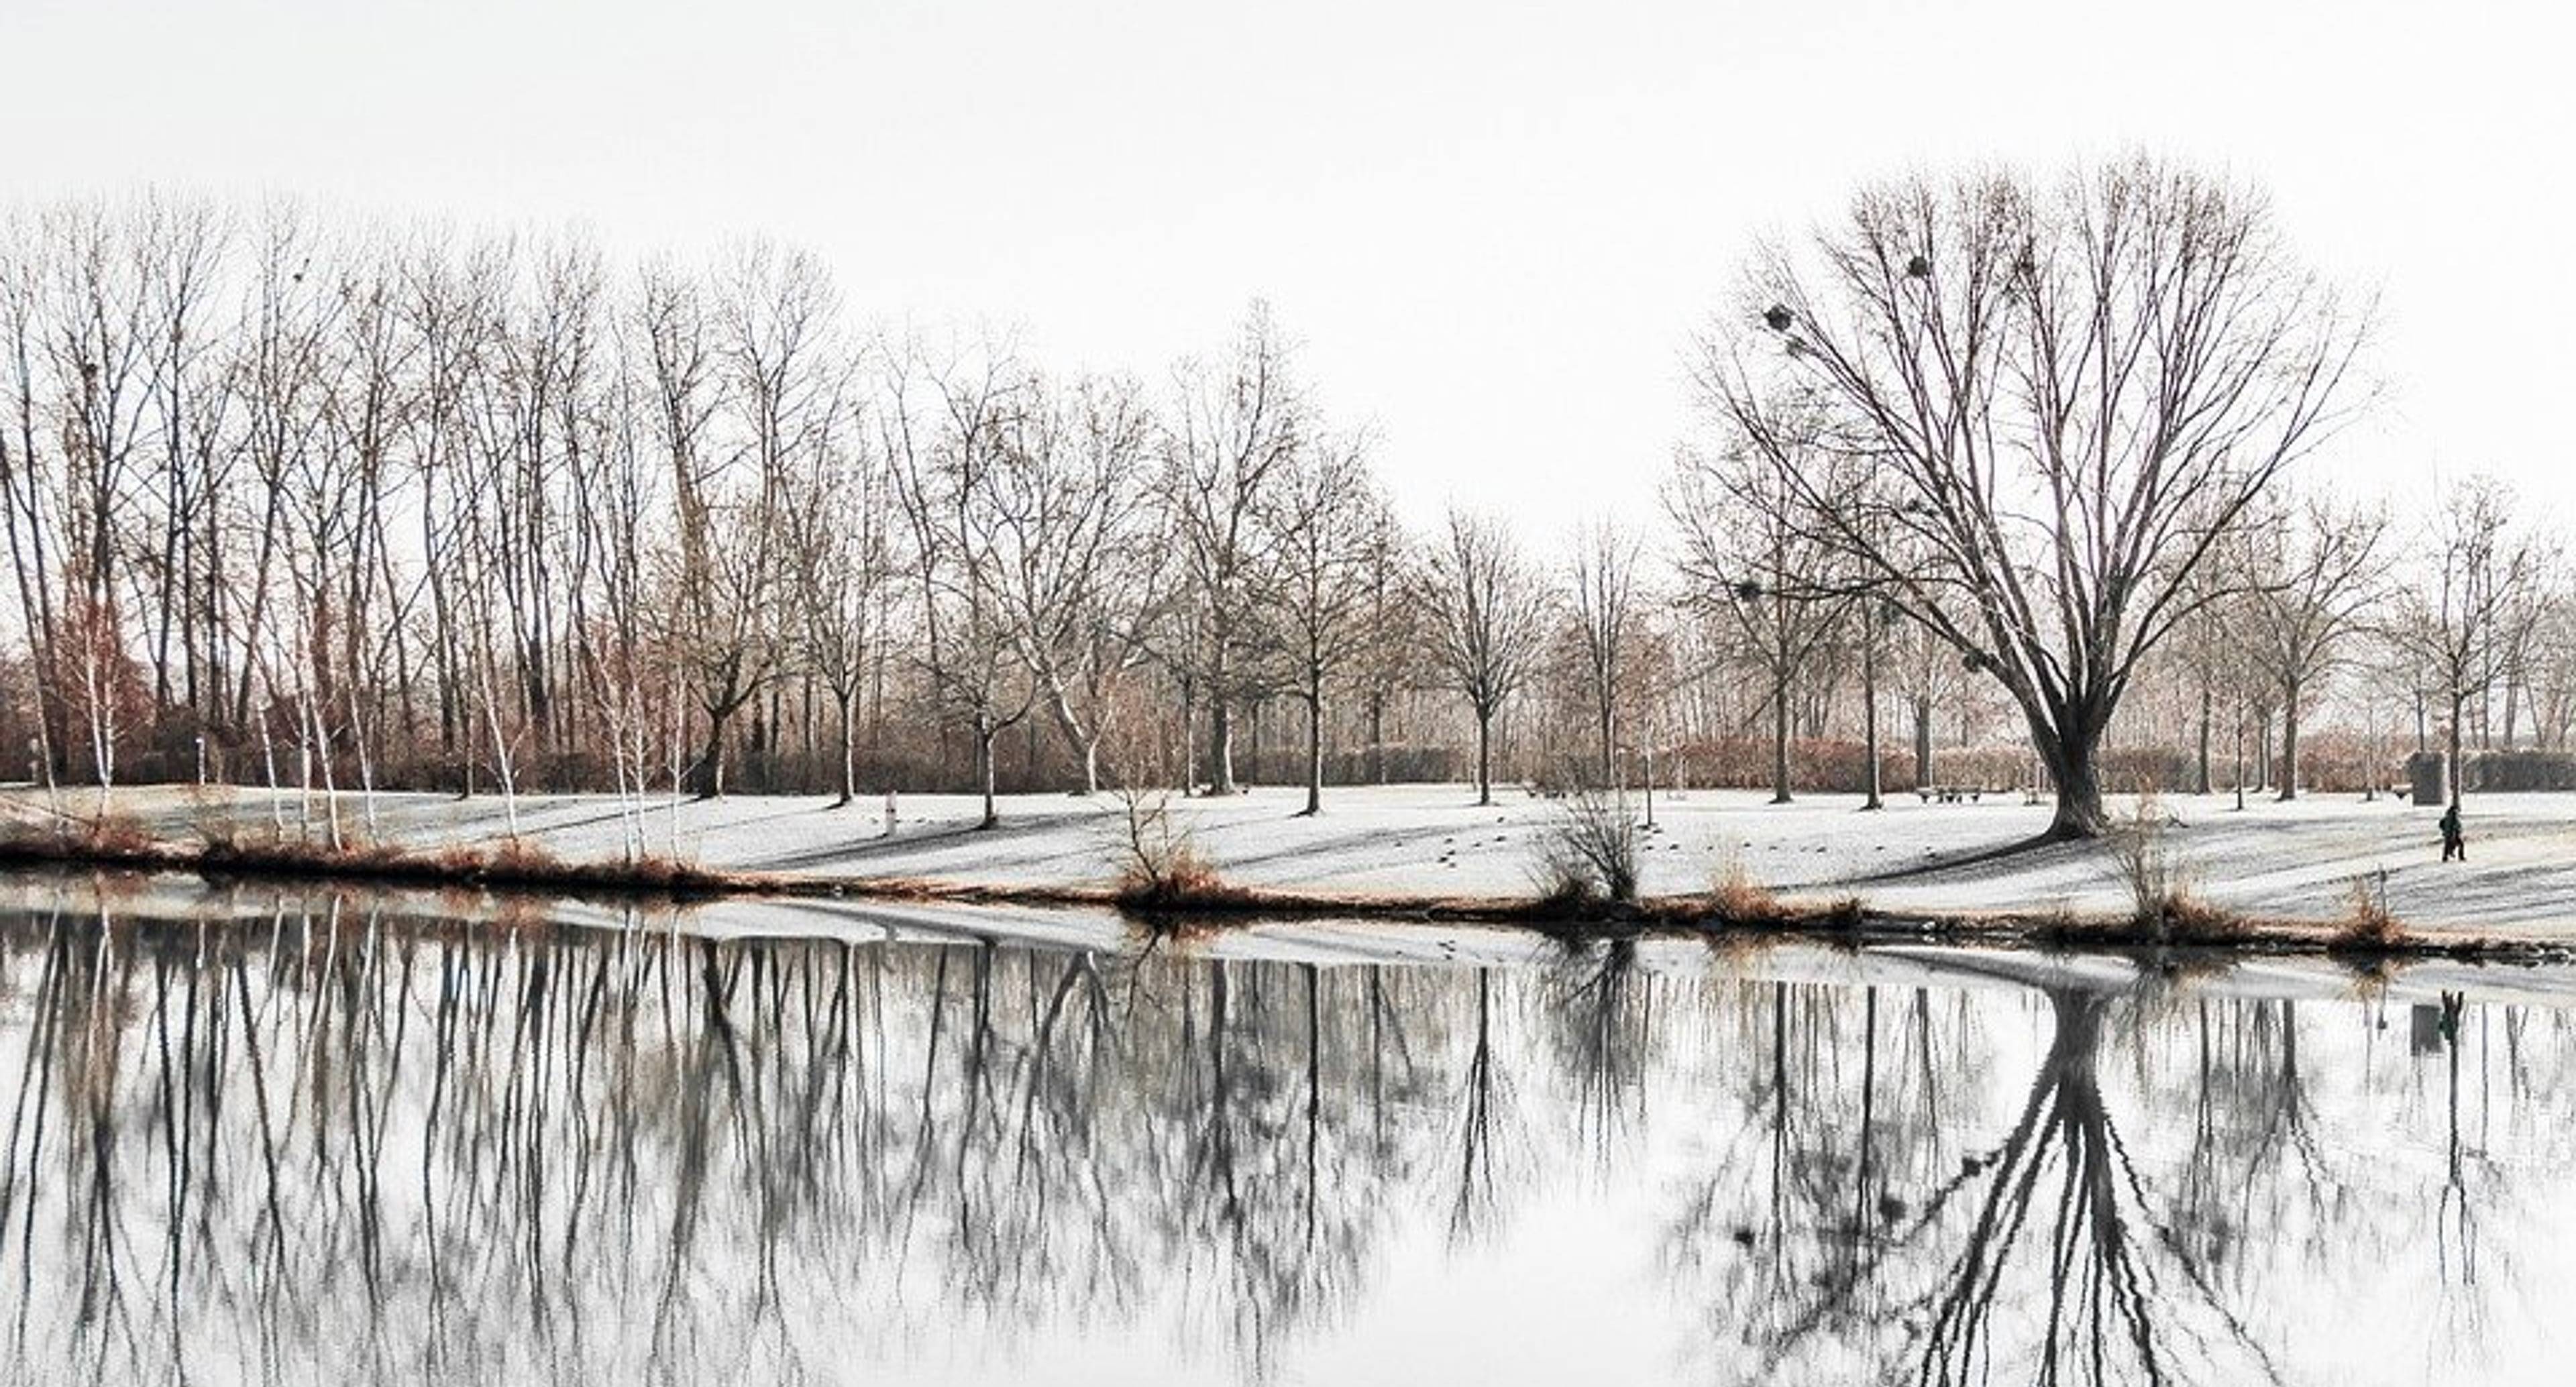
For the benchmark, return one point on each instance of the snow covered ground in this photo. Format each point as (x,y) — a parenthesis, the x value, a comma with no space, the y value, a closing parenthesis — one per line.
(2296,860)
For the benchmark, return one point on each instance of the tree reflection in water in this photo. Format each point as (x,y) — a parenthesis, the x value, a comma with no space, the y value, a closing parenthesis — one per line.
(339,1143)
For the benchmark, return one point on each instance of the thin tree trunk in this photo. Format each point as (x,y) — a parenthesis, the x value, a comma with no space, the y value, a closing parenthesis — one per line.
(1221,748)
(2205,701)
(1869,713)
(984,735)
(1314,747)
(1923,742)
(1377,737)
(849,699)
(1780,741)
(1484,757)
(2290,744)
(1609,744)
(2459,771)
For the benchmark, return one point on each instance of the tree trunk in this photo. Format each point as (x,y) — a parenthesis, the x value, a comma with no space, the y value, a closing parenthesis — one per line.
(2205,700)
(1869,715)
(1780,742)
(1085,741)
(1484,757)
(1609,745)
(985,732)
(1377,737)
(1923,742)
(1314,749)
(2070,751)
(2290,744)
(1221,748)
(1189,742)
(2240,759)
(2459,772)
(1255,765)
(849,700)
(711,762)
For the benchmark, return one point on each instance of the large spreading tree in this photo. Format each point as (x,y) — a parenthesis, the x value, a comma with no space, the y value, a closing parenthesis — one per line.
(2027,412)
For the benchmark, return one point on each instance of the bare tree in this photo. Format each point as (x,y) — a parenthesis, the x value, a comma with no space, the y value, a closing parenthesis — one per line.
(1492,606)
(1397,626)
(1747,561)
(2448,621)
(1603,571)
(1068,500)
(2315,585)
(2044,406)
(839,560)
(945,453)
(747,389)
(1236,426)
(2516,651)
(2553,670)
(617,499)
(1927,674)
(101,341)
(1325,520)
(27,506)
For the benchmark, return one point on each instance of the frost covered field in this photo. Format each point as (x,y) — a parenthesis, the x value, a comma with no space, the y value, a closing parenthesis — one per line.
(1429,841)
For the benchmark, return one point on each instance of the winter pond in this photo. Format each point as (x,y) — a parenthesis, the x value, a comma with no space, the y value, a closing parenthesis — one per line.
(257,1135)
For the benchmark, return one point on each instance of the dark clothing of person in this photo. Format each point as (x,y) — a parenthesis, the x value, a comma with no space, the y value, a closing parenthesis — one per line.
(2454,846)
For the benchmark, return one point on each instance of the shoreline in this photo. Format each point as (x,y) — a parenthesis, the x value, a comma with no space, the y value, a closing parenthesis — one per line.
(516,868)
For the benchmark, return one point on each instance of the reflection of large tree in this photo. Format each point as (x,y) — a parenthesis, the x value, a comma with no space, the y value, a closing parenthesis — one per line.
(2044,1253)
(1842,1225)
(2122,1294)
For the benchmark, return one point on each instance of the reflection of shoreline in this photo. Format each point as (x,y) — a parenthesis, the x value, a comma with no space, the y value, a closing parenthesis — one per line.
(515,1152)
(181,899)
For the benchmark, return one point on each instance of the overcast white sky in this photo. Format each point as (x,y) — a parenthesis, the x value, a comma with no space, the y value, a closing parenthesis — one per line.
(1493,226)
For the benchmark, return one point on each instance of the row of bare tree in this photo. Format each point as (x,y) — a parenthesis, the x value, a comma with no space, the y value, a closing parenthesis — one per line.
(285,502)
(301,505)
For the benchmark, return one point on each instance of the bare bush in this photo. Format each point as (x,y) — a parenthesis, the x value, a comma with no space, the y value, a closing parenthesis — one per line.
(1590,852)
(1159,857)
(2368,922)
(2148,863)
(1159,860)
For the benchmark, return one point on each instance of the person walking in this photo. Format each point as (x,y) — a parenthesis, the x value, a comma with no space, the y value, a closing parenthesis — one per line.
(2455,847)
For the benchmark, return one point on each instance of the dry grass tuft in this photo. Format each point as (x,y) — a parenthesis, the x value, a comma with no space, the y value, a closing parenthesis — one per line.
(1738,898)
(2163,899)
(2368,923)
(2187,919)
(2147,864)
(119,836)
(1180,877)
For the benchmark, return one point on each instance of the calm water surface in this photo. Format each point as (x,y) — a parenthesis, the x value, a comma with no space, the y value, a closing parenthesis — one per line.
(340,1139)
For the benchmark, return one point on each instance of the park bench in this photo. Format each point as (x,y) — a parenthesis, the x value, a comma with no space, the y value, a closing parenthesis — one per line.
(1950,794)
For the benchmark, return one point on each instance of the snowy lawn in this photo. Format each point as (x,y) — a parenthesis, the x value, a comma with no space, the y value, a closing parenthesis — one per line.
(1430,841)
